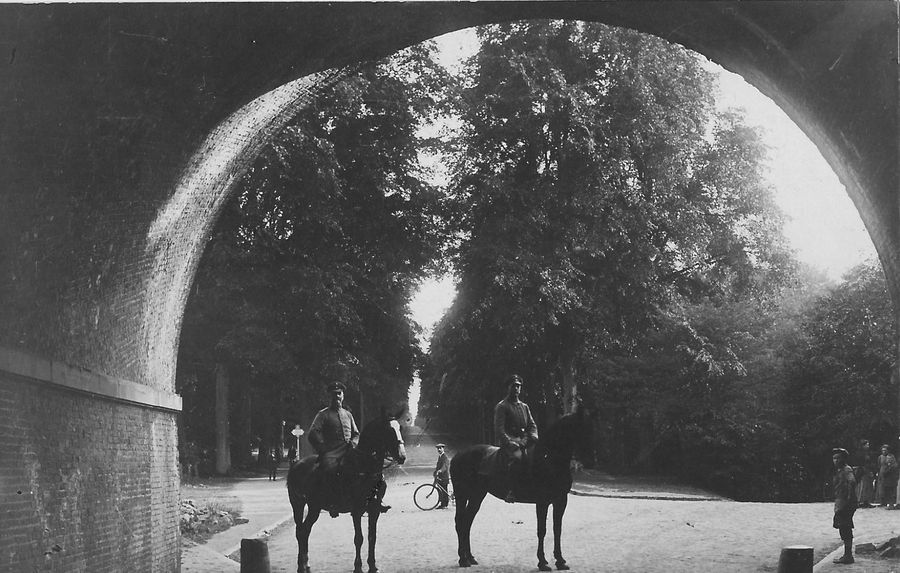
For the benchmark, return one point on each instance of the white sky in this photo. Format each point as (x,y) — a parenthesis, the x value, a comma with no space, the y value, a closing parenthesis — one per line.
(823,224)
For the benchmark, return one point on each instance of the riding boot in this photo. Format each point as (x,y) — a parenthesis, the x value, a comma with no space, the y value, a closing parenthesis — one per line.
(336,486)
(377,495)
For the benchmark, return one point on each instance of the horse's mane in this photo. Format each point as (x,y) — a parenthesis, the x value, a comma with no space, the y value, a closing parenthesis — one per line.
(369,431)
(560,436)
(372,431)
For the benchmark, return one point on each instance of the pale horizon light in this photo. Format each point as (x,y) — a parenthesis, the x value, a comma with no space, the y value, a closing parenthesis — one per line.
(823,225)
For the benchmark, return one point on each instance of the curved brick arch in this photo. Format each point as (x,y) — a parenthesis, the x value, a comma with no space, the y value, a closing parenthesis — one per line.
(124,129)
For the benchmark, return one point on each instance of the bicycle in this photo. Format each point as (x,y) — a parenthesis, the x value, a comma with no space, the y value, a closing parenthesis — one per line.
(426,497)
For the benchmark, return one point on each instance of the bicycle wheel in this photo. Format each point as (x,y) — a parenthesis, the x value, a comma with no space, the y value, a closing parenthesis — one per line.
(426,497)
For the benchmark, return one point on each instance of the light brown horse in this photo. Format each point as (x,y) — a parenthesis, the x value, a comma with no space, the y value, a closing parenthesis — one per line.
(549,483)
(361,473)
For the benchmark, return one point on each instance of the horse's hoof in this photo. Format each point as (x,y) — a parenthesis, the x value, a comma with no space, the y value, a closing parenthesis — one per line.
(544,567)
(561,566)
(464,563)
(472,561)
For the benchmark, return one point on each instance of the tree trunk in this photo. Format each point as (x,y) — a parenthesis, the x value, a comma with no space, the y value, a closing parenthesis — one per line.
(223,450)
(362,407)
(569,385)
(567,368)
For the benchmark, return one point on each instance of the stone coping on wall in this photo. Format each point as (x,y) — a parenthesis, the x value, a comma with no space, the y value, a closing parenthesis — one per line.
(42,370)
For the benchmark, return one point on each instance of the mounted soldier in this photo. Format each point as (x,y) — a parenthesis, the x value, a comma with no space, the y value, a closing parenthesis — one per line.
(334,435)
(515,432)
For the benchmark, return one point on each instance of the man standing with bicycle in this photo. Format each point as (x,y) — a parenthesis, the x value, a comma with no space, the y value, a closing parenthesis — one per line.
(442,477)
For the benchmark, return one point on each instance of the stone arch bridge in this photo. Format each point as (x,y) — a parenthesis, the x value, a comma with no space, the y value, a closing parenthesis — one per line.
(123,128)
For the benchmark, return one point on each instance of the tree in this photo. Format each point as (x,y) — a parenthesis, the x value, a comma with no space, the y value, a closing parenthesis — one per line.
(840,382)
(310,270)
(595,188)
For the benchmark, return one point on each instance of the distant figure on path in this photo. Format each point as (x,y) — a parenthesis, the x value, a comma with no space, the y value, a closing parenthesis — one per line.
(845,501)
(191,461)
(515,432)
(886,486)
(442,476)
(292,454)
(865,475)
(273,463)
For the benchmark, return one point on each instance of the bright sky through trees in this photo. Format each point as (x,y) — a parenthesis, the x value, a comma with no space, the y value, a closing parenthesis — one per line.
(823,225)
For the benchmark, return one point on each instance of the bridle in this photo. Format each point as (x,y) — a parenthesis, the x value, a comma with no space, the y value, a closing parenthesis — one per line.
(388,460)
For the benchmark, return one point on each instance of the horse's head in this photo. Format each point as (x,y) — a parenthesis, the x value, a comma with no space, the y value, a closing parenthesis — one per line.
(384,436)
(584,440)
(571,436)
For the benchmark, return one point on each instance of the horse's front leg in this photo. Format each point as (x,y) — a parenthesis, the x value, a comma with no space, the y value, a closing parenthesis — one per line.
(541,508)
(374,512)
(357,540)
(467,507)
(559,509)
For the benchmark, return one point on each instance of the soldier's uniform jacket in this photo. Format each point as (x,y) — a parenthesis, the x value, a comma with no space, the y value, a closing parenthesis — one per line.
(844,489)
(332,428)
(513,423)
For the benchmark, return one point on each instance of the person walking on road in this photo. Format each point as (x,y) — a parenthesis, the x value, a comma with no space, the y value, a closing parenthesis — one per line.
(515,432)
(845,501)
(442,477)
(886,485)
(273,463)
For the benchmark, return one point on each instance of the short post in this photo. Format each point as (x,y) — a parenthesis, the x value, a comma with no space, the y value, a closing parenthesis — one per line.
(255,556)
(796,559)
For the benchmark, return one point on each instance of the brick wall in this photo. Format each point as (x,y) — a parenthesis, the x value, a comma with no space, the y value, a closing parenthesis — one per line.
(86,483)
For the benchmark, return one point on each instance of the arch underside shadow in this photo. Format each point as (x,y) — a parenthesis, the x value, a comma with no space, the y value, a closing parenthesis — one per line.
(795,69)
(830,65)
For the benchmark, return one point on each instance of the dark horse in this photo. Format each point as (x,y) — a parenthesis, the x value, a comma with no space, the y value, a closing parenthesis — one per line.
(548,484)
(361,471)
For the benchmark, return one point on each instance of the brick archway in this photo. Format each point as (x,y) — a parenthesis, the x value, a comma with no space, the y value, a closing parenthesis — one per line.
(124,130)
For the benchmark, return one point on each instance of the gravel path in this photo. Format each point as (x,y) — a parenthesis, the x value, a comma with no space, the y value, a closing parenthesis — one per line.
(611,525)
(600,534)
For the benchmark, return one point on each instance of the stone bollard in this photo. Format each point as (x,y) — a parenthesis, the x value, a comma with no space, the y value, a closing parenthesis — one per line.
(255,556)
(796,559)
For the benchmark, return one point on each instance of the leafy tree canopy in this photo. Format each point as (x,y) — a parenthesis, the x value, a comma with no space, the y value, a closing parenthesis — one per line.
(596,187)
(311,267)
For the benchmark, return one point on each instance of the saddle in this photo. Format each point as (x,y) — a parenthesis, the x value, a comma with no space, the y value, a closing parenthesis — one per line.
(341,488)
(495,466)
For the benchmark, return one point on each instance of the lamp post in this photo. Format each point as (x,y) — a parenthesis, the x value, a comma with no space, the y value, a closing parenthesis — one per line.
(297,432)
